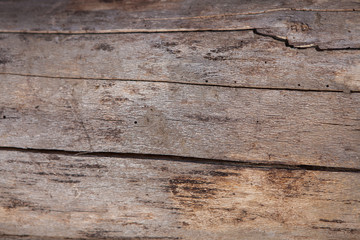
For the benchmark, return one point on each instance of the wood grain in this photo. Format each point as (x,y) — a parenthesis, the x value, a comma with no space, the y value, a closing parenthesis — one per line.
(179,119)
(238,59)
(257,125)
(65,196)
(325,24)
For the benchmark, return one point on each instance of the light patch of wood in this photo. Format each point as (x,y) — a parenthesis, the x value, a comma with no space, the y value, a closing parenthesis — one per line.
(349,78)
(125,5)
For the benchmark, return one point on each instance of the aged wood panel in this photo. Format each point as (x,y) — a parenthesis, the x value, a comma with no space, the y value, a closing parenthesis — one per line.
(326,24)
(55,195)
(179,119)
(257,125)
(241,59)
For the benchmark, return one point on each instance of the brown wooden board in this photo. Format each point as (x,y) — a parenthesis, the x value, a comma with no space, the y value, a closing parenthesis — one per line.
(94,197)
(238,59)
(257,125)
(326,25)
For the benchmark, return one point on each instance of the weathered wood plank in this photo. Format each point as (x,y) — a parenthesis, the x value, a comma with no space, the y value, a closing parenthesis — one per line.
(258,125)
(216,58)
(52,195)
(214,81)
(330,24)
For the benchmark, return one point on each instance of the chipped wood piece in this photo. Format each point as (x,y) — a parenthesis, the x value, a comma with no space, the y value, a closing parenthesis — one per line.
(241,59)
(326,25)
(256,125)
(84,197)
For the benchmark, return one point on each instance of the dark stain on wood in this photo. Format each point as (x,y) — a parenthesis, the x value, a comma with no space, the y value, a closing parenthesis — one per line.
(65,181)
(17,203)
(290,183)
(331,221)
(191,188)
(345,230)
(215,119)
(169,47)
(85,165)
(4,56)
(223,49)
(104,47)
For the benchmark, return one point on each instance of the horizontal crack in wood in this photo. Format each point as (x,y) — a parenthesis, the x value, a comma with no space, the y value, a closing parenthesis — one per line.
(198,160)
(124,31)
(287,44)
(28,237)
(177,82)
(255,13)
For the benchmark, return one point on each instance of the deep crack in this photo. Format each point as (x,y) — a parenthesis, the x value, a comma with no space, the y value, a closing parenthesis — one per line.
(287,44)
(197,160)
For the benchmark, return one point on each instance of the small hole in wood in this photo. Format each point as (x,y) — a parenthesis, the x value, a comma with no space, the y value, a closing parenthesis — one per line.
(327,85)
(206,80)
(265,62)
(235,82)
(4,117)
(135,122)
(299,85)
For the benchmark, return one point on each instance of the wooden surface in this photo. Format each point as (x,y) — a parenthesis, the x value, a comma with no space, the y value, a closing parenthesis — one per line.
(257,125)
(326,24)
(237,59)
(108,197)
(179,119)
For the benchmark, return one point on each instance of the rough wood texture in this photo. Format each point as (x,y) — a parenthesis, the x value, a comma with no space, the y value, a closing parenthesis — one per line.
(259,125)
(241,59)
(325,24)
(179,119)
(58,195)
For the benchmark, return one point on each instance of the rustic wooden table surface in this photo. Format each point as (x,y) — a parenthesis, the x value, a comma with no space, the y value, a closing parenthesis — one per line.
(179,119)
